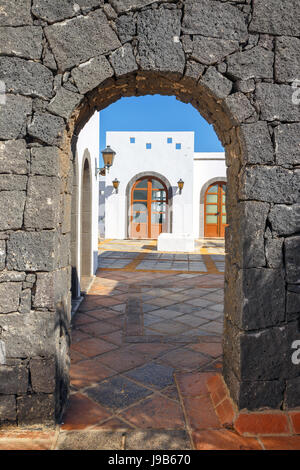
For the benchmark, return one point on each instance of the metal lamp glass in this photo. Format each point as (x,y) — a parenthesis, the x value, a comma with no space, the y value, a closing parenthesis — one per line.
(116,183)
(180,185)
(108,155)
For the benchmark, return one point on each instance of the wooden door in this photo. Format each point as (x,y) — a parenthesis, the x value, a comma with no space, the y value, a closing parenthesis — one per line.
(215,211)
(149,200)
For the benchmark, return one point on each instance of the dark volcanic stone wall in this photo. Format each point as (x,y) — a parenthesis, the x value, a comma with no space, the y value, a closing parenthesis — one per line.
(236,62)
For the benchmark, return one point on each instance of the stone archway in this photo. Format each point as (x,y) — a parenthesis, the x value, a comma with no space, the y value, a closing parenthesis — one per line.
(219,57)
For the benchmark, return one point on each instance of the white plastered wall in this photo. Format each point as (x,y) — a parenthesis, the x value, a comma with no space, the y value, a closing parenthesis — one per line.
(164,159)
(88,140)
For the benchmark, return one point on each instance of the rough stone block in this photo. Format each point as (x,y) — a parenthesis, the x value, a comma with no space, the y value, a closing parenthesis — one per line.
(14,378)
(14,157)
(42,372)
(13,182)
(71,45)
(11,209)
(219,86)
(239,107)
(67,207)
(214,19)
(29,335)
(210,51)
(26,78)
(10,296)
(264,354)
(51,288)
(45,161)
(269,184)
(43,406)
(26,41)
(259,299)
(32,251)
(292,259)
(253,63)
(8,408)
(274,252)
(92,73)
(54,11)
(276,102)
(285,220)
(292,397)
(13,116)
(293,302)
(159,47)
(15,13)
(125,5)
(255,394)
(25,301)
(2,254)
(246,240)
(12,276)
(193,70)
(126,27)
(64,102)
(287,59)
(287,144)
(257,143)
(279,17)
(47,128)
(123,60)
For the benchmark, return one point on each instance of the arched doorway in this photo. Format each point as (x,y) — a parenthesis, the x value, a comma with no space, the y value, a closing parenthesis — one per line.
(215,219)
(148,208)
(86,222)
(255,339)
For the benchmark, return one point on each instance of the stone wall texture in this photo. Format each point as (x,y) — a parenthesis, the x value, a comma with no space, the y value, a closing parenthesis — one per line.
(236,62)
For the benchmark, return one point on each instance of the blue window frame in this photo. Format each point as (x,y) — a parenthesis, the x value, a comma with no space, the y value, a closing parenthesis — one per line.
(169,140)
(148,146)
(178,146)
(132,140)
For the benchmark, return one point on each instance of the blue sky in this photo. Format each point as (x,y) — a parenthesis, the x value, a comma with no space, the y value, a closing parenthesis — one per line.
(158,113)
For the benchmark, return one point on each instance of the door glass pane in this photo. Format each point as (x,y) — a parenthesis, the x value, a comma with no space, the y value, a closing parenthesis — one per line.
(156,184)
(224,198)
(213,189)
(212,198)
(140,194)
(211,219)
(158,206)
(224,219)
(211,209)
(139,217)
(224,209)
(142,184)
(159,195)
(139,206)
(157,218)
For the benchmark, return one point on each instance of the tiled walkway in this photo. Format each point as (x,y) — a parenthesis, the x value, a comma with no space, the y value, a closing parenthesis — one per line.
(144,343)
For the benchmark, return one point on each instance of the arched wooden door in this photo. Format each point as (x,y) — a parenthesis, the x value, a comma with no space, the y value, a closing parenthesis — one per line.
(215,210)
(149,208)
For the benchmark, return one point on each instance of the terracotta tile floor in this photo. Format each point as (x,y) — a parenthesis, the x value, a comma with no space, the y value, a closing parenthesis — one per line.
(138,376)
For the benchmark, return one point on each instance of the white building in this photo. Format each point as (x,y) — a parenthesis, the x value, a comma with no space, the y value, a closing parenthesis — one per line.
(148,166)
(85,204)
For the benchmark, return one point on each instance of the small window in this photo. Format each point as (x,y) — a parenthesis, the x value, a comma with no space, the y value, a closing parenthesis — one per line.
(132,140)
(148,146)
(169,140)
(178,146)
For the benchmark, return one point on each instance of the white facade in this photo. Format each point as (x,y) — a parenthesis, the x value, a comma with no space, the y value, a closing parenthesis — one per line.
(87,148)
(170,158)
